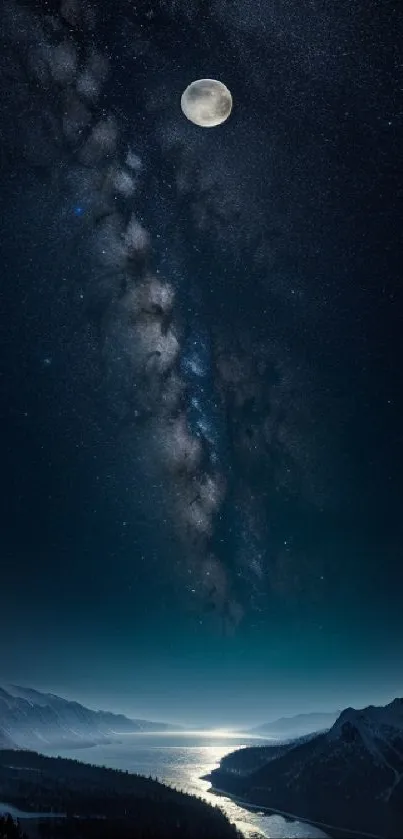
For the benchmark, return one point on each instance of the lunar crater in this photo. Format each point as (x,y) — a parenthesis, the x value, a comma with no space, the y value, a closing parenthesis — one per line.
(206,102)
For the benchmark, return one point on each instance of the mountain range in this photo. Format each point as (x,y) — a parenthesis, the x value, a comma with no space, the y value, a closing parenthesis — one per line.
(298,725)
(31,719)
(350,777)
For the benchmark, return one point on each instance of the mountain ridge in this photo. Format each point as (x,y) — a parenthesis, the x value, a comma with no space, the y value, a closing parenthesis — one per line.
(350,776)
(5,741)
(298,723)
(30,718)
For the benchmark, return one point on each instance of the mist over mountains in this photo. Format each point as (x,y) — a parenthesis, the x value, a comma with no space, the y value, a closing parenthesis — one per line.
(298,725)
(31,719)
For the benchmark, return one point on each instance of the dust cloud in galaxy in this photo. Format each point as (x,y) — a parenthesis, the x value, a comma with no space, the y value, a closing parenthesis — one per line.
(221,417)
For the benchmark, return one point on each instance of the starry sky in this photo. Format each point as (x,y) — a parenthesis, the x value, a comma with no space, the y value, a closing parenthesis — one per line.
(201,408)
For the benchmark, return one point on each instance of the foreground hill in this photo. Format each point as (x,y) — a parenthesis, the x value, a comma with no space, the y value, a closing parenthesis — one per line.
(250,758)
(350,777)
(31,719)
(90,801)
(297,726)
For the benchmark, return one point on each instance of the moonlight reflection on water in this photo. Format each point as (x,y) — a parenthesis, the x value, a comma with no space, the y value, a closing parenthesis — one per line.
(181,759)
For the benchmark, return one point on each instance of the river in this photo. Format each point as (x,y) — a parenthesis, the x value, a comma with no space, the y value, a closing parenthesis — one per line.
(180,759)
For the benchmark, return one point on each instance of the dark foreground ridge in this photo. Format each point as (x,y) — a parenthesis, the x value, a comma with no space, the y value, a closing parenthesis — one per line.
(91,802)
(350,777)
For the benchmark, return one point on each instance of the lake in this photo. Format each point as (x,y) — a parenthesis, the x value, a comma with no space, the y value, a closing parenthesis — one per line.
(180,759)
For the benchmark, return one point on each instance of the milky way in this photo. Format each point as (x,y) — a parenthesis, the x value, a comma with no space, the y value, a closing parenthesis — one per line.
(222,418)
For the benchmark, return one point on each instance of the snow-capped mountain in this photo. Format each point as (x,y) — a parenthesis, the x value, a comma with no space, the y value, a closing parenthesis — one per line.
(372,723)
(350,777)
(32,719)
(6,741)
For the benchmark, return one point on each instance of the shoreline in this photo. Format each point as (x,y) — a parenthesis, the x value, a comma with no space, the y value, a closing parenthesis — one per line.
(336,832)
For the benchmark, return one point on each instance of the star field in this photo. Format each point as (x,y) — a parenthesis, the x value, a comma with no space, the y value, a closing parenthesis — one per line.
(201,403)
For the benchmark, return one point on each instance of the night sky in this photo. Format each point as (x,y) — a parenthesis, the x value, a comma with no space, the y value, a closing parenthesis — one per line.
(201,349)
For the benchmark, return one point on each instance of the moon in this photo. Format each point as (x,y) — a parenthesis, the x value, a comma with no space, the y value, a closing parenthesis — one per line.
(206,102)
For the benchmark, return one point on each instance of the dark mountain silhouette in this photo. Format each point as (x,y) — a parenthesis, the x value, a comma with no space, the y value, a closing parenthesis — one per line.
(350,777)
(31,719)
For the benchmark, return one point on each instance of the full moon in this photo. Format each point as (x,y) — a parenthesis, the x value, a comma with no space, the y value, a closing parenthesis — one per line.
(206,102)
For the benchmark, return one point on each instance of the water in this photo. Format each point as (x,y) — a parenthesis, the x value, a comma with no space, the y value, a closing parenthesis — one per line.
(180,760)
(16,813)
